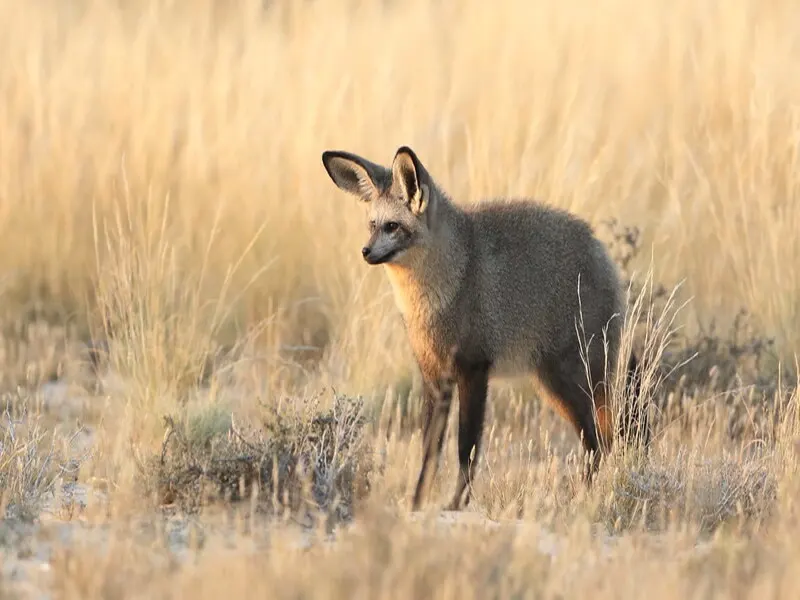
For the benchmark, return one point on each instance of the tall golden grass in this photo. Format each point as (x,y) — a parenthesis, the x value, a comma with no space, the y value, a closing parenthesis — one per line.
(161,183)
(679,118)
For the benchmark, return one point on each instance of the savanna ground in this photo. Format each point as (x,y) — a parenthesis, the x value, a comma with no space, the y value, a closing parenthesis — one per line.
(206,391)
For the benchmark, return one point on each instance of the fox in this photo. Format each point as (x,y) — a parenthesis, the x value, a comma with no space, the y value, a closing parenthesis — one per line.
(502,287)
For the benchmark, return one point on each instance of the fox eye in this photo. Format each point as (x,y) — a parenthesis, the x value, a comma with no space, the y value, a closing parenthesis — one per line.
(372,225)
(391,227)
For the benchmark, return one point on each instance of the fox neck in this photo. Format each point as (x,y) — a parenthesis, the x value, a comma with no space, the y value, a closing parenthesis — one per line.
(426,287)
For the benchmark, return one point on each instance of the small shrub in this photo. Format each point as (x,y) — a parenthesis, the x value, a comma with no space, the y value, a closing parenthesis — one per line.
(706,493)
(31,464)
(300,459)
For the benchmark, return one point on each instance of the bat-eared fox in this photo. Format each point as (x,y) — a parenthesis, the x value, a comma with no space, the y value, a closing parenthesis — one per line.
(493,289)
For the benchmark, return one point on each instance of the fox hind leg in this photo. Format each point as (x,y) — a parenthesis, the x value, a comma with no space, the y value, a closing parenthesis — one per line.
(568,387)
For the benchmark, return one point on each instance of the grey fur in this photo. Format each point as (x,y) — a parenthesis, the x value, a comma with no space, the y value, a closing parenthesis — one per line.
(490,289)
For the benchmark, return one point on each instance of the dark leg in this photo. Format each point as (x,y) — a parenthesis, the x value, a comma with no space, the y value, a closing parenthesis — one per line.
(437,398)
(566,380)
(473,382)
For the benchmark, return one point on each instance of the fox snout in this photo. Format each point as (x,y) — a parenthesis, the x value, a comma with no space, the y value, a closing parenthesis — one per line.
(374,257)
(366,252)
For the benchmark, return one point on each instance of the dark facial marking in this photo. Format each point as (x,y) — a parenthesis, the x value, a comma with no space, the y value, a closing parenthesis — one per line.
(398,232)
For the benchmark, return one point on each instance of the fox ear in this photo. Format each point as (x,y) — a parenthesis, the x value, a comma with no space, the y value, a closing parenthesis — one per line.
(409,176)
(354,174)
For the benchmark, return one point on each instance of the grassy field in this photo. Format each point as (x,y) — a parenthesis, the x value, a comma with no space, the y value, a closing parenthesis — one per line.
(207,391)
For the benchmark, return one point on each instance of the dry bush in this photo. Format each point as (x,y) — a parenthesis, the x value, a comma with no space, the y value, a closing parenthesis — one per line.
(301,459)
(708,495)
(32,462)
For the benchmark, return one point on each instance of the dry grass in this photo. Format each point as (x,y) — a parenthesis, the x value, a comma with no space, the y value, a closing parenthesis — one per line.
(162,197)
(391,557)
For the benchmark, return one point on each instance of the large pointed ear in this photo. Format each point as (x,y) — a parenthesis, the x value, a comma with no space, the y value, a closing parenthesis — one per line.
(354,174)
(410,178)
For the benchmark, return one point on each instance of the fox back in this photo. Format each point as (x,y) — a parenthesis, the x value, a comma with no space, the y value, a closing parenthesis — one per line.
(535,279)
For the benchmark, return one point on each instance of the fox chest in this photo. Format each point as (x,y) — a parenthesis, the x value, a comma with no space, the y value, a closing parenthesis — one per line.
(411,298)
(430,331)
(430,343)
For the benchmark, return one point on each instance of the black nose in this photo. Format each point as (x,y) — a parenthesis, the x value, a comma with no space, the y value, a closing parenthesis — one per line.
(365,251)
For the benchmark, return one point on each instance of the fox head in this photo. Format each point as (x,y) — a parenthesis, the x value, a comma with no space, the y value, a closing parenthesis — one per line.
(398,201)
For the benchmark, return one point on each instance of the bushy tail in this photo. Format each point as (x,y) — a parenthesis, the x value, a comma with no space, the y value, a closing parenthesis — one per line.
(634,427)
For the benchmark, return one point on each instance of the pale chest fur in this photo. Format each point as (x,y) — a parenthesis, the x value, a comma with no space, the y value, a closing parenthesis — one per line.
(420,306)
(417,303)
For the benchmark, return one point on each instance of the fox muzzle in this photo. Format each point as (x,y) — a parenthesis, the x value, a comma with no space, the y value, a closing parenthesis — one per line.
(374,258)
